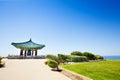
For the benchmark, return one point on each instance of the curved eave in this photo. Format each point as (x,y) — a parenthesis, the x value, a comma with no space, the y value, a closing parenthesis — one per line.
(28,45)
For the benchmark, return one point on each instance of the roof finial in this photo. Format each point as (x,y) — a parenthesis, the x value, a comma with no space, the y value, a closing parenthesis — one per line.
(30,39)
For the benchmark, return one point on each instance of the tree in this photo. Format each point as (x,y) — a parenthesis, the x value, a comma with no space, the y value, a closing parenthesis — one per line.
(53,61)
(89,55)
(53,57)
(53,64)
(77,53)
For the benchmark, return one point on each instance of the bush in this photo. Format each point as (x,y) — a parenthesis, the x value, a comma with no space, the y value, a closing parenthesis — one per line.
(78,58)
(2,64)
(69,58)
(89,55)
(1,59)
(53,64)
(63,58)
(77,53)
(99,57)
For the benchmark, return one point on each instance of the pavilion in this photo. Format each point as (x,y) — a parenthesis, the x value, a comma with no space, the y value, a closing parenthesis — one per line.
(28,48)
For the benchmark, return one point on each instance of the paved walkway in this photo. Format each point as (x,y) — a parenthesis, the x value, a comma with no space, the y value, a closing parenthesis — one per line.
(29,69)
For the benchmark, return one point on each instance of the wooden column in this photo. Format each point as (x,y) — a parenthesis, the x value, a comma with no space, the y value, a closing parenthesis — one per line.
(35,52)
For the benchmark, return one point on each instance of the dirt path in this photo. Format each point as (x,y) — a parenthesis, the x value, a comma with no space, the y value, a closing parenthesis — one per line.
(29,69)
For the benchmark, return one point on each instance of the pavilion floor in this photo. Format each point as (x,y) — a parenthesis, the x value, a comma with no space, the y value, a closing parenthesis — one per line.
(29,69)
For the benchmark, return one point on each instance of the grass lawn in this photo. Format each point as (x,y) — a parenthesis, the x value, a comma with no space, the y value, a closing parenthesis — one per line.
(102,70)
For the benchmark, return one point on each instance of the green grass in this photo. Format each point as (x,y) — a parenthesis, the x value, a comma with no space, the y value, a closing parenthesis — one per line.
(102,70)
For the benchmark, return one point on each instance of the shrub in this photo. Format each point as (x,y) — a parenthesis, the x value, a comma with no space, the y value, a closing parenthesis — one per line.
(0,59)
(2,64)
(77,53)
(78,58)
(99,57)
(69,58)
(63,58)
(89,55)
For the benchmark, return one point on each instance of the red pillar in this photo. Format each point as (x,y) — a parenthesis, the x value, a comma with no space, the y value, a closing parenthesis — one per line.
(25,53)
(35,52)
(21,52)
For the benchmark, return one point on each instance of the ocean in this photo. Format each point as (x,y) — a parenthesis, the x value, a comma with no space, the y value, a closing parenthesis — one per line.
(112,57)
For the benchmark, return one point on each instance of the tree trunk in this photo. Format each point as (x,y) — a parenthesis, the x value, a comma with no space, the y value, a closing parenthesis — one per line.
(58,68)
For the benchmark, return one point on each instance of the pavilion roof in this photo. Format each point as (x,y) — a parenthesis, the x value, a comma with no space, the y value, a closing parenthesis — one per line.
(28,45)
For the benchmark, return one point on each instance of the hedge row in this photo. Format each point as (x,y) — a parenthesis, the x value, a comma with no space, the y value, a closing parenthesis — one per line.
(77,58)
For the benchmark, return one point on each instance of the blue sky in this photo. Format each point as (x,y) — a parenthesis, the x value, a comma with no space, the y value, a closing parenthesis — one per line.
(62,25)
